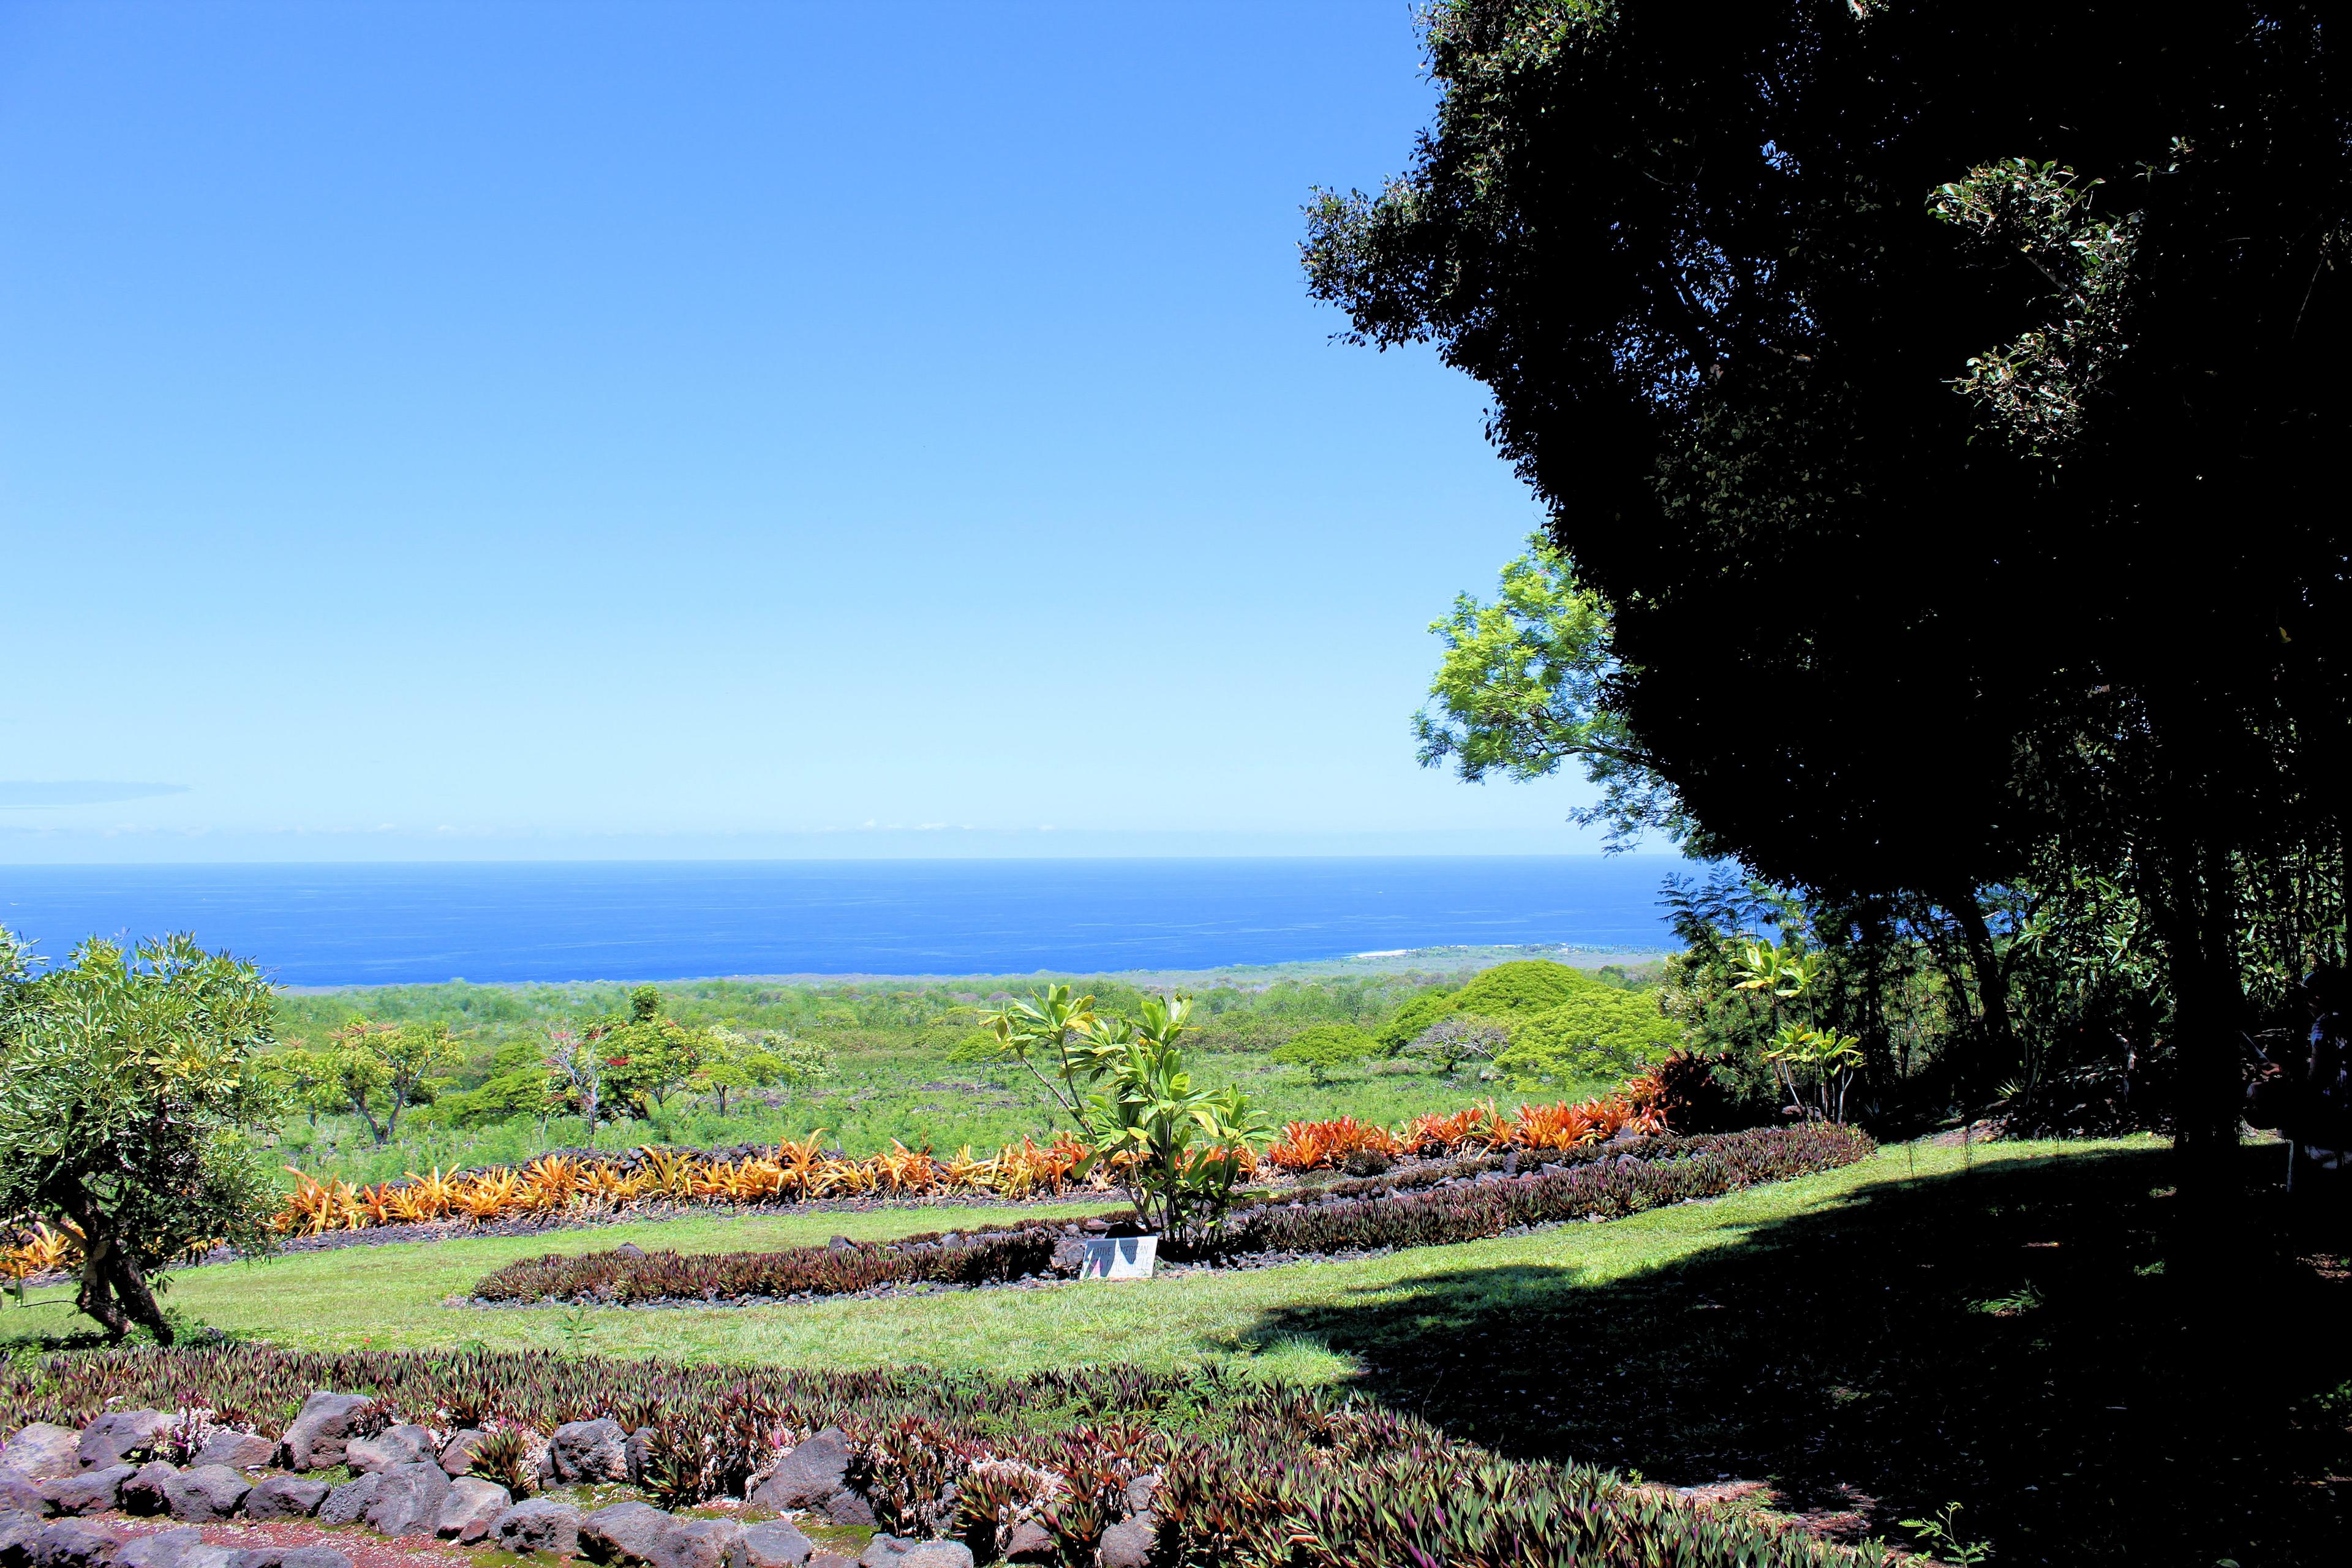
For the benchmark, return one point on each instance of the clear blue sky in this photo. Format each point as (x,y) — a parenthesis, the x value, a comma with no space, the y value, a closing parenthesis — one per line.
(572,429)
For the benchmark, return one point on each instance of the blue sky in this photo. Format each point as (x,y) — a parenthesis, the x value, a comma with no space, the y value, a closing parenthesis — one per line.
(537,429)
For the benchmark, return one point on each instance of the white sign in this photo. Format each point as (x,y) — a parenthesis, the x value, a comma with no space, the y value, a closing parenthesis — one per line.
(1120,1257)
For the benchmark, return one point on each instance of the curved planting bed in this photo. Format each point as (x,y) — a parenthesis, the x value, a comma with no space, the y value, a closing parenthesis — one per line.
(1466,1202)
(1071,1467)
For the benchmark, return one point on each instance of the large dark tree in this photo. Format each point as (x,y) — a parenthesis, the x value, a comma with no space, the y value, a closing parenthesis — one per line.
(1947,399)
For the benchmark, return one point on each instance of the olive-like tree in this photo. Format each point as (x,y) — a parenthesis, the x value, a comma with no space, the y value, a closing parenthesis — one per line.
(131,1087)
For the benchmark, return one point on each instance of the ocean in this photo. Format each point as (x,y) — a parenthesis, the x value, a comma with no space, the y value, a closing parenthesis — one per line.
(364,924)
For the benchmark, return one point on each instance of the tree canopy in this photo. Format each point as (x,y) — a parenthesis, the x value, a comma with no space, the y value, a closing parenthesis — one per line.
(1942,400)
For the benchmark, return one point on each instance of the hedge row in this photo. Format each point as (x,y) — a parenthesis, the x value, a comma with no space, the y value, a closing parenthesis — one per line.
(1606,1187)
(1282,1476)
(1463,1202)
(985,1255)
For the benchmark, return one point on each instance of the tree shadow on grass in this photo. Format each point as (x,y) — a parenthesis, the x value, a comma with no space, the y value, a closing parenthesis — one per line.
(2028,1339)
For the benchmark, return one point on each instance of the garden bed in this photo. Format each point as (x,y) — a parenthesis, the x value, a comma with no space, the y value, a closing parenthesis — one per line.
(1464,1201)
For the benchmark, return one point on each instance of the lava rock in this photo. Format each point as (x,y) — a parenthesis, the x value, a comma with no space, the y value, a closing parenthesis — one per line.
(124,1435)
(846,1507)
(1029,1543)
(283,1557)
(628,1249)
(17,1534)
(698,1543)
(409,1502)
(1069,1255)
(832,1560)
(472,1506)
(67,1543)
(324,1429)
(590,1451)
(624,1534)
(204,1492)
(893,1551)
(807,1476)
(775,1544)
(393,1445)
(1127,1543)
(165,1549)
(1141,1490)
(347,1502)
(238,1450)
(145,1491)
(42,1451)
(639,1449)
(92,1491)
(457,1455)
(19,1493)
(540,1525)
(285,1496)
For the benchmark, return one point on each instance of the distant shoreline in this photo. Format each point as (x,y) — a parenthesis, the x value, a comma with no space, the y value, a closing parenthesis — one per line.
(1399,960)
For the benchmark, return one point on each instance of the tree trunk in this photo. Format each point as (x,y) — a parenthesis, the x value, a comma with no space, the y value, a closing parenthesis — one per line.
(1992,980)
(2197,915)
(113,1291)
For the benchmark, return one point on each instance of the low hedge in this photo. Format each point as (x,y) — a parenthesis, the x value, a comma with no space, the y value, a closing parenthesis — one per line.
(1604,1186)
(1251,1472)
(1464,1201)
(983,1256)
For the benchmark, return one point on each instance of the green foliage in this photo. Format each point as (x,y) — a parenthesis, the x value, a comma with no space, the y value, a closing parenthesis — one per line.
(1175,1150)
(1523,688)
(649,1055)
(380,1070)
(1418,1013)
(1598,1032)
(1325,1049)
(130,1088)
(1533,985)
(1453,1043)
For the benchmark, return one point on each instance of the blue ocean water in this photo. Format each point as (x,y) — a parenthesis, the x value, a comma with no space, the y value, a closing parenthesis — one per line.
(516,920)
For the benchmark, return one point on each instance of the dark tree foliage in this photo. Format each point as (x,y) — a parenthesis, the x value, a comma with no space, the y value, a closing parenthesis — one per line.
(1949,401)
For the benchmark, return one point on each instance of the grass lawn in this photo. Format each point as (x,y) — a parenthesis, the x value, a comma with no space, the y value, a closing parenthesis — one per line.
(2031,1334)
(392,1297)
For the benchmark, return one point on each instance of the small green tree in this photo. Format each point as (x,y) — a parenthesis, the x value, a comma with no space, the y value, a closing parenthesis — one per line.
(734,1063)
(382,1069)
(130,1088)
(1325,1049)
(649,1055)
(306,1079)
(1175,1151)
(1452,1044)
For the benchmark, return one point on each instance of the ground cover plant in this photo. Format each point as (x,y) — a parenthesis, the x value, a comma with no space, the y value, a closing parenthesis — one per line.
(1371,1216)
(1247,1472)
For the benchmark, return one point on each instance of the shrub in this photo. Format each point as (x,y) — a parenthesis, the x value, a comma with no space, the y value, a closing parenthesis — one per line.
(1606,1188)
(985,1255)
(1324,1049)
(1598,1031)
(1530,986)
(1414,1016)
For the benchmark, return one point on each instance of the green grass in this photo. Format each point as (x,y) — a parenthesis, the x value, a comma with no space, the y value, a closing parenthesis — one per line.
(392,1297)
(2040,1332)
